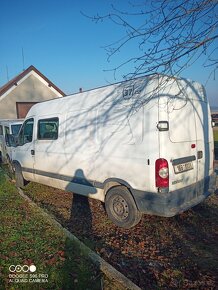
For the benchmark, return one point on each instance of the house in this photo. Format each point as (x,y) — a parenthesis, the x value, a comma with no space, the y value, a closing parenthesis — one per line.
(22,92)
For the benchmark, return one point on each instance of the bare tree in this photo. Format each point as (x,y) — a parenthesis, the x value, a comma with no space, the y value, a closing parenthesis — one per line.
(169,36)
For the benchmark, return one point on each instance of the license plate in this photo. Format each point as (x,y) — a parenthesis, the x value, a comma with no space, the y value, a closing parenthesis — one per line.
(183,167)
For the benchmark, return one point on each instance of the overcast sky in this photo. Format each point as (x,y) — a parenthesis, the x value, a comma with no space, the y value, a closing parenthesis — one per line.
(68,47)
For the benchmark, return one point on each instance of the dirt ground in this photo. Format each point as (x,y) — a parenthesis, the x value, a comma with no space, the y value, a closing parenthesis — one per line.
(167,253)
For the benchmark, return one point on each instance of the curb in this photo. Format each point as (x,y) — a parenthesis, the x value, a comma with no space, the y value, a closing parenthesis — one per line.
(104,266)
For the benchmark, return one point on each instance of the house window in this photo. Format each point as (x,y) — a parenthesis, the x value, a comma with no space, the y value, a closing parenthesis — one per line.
(48,129)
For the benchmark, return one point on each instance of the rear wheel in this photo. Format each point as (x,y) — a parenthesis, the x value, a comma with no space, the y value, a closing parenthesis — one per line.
(121,208)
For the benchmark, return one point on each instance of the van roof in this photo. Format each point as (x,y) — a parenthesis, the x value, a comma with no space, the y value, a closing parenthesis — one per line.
(151,86)
(11,121)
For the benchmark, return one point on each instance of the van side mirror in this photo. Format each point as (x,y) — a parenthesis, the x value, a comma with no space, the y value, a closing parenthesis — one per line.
(213,124)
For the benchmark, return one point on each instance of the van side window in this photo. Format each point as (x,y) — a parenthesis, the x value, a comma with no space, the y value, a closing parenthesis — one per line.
(48,129)
(1,130)
(26,133)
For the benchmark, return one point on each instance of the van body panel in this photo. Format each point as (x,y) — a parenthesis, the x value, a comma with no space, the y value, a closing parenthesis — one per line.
(9,126)
(131,149)
(115,134)
(79,135)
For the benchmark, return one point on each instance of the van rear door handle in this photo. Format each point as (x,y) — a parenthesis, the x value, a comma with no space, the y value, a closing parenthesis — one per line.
(200,154)
(32,152)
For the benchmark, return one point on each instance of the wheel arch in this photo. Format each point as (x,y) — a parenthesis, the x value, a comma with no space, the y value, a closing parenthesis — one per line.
(113,182)
(16,163)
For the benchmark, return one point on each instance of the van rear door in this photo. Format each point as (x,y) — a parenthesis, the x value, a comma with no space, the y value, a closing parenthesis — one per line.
(189,145)
(182,138)
(204,139)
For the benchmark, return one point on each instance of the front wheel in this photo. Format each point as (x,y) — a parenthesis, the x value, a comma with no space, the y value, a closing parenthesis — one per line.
(20,182)
(10,165)
(121,208)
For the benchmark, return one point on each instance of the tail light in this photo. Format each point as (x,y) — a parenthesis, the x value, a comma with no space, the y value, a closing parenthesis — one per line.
(162,173)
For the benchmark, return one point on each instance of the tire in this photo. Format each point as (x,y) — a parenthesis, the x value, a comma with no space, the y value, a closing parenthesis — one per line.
(10,166)
(20,182)
(121,208)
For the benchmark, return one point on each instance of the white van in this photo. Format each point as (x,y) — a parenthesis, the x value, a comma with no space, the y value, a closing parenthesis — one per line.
(140,146)
(7,127)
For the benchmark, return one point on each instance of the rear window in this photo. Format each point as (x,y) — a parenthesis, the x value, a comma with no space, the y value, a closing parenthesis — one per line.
(48,129)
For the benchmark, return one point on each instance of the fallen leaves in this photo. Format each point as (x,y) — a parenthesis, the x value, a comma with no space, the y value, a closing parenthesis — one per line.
(157,253)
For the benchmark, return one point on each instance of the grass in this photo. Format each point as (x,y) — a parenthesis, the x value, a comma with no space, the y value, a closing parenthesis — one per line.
(27,238)
(215,134)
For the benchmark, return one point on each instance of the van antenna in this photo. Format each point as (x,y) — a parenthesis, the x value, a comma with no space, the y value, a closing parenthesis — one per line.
(7,73)
(23,59)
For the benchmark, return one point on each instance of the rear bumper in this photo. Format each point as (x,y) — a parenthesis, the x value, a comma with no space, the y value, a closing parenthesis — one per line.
(171,203)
